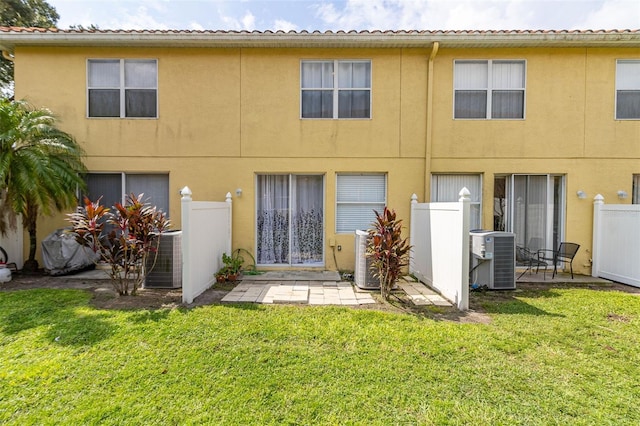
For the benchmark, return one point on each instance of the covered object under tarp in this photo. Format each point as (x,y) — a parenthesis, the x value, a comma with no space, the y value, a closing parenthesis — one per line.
(62,255)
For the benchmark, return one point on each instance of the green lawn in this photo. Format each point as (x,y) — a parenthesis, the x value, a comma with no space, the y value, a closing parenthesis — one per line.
(565,356)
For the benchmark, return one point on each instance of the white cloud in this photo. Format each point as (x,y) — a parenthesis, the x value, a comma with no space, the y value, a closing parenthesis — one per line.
(281,24)
(248,21)
(483,15)
(138,19)
(196,26)
(613,14)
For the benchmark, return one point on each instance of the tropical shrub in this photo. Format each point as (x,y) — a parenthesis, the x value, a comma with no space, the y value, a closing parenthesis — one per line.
(40,169)
(123,237)
(388,251)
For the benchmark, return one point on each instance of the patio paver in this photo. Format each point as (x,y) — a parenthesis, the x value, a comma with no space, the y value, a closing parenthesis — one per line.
(421,295)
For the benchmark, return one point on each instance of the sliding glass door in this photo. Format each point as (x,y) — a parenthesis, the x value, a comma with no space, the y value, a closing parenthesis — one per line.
(531,206)
(290,226)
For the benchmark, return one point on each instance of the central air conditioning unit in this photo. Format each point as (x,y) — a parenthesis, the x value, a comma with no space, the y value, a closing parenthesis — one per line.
(493,259)
(362,276)
(167,271)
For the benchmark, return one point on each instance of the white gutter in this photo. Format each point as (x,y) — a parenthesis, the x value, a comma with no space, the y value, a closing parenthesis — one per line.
(429,124)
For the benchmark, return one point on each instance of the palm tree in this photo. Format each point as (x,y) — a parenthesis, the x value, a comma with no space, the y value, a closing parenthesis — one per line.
(40,169)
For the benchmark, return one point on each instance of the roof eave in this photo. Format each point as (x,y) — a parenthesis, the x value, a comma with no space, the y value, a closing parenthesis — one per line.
(447,39)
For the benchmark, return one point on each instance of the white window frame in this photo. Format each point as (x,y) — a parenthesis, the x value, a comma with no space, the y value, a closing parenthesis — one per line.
(635,191)
(336,88)
(489,87)
(635,86)
(436,197)
(122,87)
(378,203)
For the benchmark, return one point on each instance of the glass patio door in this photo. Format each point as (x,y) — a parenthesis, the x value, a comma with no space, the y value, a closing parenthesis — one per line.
(536,204)
(290,227)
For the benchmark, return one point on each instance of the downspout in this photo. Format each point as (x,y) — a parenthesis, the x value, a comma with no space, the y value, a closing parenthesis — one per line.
(8,56)
(429,128)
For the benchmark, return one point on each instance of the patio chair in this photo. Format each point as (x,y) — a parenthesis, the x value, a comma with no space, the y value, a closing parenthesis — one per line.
(526,257)
(565,253)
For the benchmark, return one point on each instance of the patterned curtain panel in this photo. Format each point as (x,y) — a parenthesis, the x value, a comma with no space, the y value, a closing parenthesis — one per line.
(273,219)
(307,228)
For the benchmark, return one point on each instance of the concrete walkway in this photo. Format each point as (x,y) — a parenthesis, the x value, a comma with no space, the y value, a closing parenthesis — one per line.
(304,292)
(318,288)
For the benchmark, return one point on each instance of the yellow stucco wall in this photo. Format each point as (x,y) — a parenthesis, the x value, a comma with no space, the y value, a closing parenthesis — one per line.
(225,115)
(569,129)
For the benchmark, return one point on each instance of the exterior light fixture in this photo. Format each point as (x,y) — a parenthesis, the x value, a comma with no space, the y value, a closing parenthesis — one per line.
(622,194)
(239,192)
(581,194)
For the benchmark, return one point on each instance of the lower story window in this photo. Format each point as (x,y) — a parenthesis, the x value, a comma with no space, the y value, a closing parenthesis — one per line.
(357,196)
(635,199)
(114,187)
(446,188)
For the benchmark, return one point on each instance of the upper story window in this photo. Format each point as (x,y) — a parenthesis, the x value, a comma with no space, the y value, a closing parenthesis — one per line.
(124,88)
(335,89)
(489,89)
(628,90)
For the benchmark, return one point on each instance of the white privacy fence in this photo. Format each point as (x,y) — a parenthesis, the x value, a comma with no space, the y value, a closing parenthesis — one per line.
(616,242)
(206,235)
(440,239)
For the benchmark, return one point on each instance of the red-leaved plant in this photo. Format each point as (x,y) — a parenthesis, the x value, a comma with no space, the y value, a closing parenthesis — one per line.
(388,251)
(123,237)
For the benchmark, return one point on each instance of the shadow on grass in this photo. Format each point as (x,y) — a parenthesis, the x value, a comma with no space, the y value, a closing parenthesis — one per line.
(59,311)
(509,302)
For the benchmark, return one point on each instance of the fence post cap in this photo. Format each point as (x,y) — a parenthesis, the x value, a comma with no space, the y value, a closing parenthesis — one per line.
(598,199)
(414,199)
(186,192)
(464,194)
(228,197)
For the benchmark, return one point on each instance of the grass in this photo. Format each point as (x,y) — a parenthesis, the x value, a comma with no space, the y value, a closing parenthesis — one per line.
(565,356)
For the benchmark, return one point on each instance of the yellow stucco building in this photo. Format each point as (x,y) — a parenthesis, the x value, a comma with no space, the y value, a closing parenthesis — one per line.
(311,131)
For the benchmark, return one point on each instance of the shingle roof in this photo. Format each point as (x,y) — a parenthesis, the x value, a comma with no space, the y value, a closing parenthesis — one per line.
(13,36)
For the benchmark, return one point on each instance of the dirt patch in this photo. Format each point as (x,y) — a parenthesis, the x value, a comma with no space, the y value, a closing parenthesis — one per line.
(105,297)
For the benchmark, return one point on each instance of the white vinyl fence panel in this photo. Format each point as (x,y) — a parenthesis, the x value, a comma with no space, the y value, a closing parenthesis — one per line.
(440,240)
(206,235)
(616,242)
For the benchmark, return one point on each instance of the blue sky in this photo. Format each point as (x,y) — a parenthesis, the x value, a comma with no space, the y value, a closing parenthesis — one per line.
(350,14)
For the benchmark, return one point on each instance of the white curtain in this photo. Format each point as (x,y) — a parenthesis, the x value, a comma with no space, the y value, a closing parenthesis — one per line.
(306,219)
(508,90)
(356,100)
(530,211)
(504,80)
(290,219)
(628,89)
(446,188)
(273,219)
(104,73)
